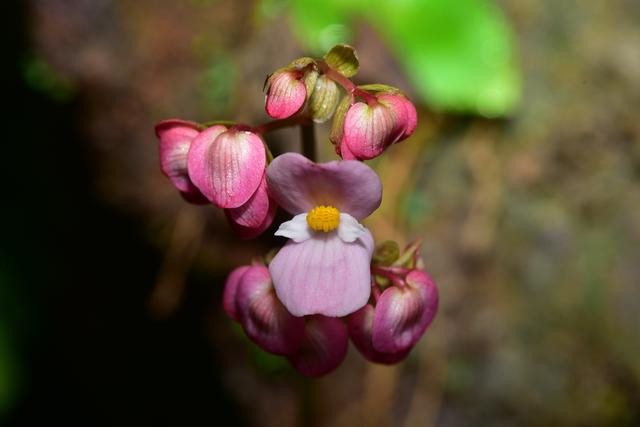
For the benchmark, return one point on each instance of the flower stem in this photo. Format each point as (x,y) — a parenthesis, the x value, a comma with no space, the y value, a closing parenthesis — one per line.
(347,84)
(308,135)
(383,272)
(282,123)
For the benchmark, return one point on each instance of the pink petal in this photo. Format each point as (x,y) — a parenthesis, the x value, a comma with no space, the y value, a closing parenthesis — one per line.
(359,325)
(175,138)
(263,318)
(403,313)
(298,185)
(251,219)
(323,275)
(286,95)
(230,290)
(369,130)
(227,165)
(324,346)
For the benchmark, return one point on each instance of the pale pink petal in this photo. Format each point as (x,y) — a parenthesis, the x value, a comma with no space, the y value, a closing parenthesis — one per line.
(227,166)
(175,138)
(286,95)
(369,130)
(403,313)
(230,290)
(256,215)
(299,185)
(263,318)
(323,275)
(323,348)
(359,325)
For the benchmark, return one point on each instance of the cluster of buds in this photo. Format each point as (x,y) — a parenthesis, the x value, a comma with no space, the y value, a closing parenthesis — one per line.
(366,119)
(327,283)
(403,302)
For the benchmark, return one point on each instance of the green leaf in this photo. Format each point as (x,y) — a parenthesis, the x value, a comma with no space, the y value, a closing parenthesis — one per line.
(344,59)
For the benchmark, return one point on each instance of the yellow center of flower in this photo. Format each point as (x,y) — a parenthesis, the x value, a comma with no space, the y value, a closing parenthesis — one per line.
(323,218)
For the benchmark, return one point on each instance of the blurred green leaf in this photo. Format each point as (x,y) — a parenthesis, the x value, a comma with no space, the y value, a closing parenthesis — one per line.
(459,55)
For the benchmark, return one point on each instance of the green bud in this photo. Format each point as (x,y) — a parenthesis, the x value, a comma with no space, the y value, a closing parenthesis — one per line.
(386,253)
(324,99)
(310,79)
(338,120)
(344,59)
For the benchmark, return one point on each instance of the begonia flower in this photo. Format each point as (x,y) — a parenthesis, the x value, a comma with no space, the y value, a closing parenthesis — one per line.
(325,266)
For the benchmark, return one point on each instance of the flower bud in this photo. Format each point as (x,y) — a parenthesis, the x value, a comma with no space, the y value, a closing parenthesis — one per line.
(230,291)
(175,137)
(403,313)
(324,99)
(262,316)
(323,348)
(364,130)
(227,165)
(286,94)
(360,326)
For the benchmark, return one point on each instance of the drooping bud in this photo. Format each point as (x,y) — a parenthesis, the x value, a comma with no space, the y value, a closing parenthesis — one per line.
(175,137)
(227,165)
(288,88)
(368,128)
(402,314)
(360,326)
(323,348)
(262,316)
(286,94)
(255,216)
(324,99)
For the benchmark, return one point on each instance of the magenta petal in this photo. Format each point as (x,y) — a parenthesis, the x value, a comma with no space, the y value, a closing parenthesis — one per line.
(227,165)
(323,348)
(403,313)
(251,219)
(231,289)
(298,185)
(359,325)
(175,138)
(369,130)
(263,318)
(323,275)
(285,96)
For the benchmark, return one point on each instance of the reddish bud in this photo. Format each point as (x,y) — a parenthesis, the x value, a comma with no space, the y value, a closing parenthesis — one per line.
(286,93)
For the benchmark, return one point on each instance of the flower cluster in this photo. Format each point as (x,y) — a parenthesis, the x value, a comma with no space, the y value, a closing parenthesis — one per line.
(328,283)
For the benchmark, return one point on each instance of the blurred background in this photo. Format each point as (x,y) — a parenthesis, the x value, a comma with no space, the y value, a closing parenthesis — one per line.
(523,180)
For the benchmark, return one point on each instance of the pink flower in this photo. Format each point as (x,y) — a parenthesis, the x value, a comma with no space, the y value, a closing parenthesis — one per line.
(325,267)
(314,345)
(220,165)
(386,332)
(370,127)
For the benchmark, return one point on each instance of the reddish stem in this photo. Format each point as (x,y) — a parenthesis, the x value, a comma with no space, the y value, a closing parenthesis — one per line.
(347,84)
(387,274)
(282,123)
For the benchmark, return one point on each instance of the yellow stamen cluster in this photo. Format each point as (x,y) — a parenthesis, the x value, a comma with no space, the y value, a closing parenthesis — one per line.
(323,218)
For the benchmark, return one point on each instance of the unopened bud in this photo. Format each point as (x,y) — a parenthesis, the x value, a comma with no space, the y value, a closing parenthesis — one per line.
(324,99)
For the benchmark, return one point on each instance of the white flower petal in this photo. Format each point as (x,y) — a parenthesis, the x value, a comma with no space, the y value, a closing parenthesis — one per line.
(296,229)
(349,229)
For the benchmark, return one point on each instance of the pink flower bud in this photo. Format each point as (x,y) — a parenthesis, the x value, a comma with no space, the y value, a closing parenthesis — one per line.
(323,348)
(175,137)
(360,327)
(230,291)
(262,316)
(227,165)
(369,128)
(402,314)
(286,93)
(255,216)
